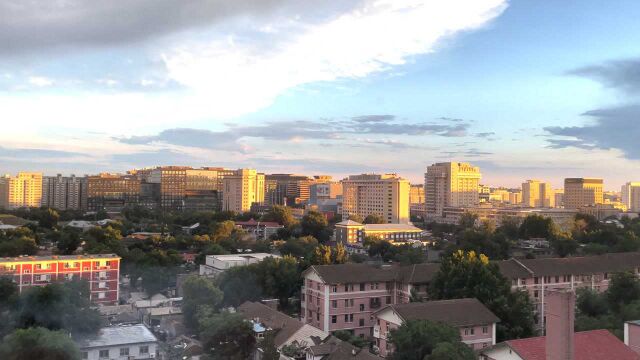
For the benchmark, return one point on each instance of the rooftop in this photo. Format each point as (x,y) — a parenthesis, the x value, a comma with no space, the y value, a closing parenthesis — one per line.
(59,257)
(391,227)
(118,335)
(358,273)
(570,265)
(456,312)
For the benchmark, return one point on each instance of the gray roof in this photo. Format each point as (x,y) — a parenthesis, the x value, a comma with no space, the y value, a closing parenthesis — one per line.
(336,349)
(455,312)
(285,325)
(358,273)
(117,335)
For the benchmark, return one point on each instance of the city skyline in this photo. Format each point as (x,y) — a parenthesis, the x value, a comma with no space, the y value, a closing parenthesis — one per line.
(522,90)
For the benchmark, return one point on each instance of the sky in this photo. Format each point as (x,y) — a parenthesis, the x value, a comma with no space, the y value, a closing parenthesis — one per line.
(524,89)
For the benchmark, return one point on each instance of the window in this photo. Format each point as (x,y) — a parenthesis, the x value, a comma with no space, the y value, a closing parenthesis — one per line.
(101,295)
(67,265)
(361,307)
(535,294)
(27,271)
(388,300)
(557,278)
(103,354)
(606,276)
(535,280)
(38,266)
(361,286)
(485,329)
(346,303)
(86,268)
(144,350)
(102,285)
(334,303)
(361,322)
(334,319)
(124,351)
(102,275)
(334,288)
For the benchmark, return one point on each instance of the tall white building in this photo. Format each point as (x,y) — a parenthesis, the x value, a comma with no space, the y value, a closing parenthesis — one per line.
(631,196)
(451,184)
(386,195)
(241,189)
(64,192)
(537,194)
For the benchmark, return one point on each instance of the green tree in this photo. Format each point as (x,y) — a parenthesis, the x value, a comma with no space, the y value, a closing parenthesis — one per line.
(536,226)
(69,241)
(38,343)
(322,255)
(623,289)
(299,247)
(590,303)
(422,339)
(564,245)
(268,346)
(339,255)
(373,219)
(468,220)
(468,275)
(279,278)
(356,218)
(315,224)
(16,242)
(280,214)
(47,218)
(198,292)
(240,284)
(226,336)
(354,340)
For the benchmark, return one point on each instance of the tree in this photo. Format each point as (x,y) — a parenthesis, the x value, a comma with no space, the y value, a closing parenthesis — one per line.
(564,246)
(58,306)
(280,214)
(240,284)
(373,219)
(322,255)
(468,220)
(339,255)
(197,292)
(418,339)
(299,247)
(16,242)
(315,224)
(354,340)
(451,351)
(536,226)
(280,278)
(468,275)
(590,303)
(38,343)
(226,336)
(47,218)
(268,346)
(623,289)
(69,241)
(356,218)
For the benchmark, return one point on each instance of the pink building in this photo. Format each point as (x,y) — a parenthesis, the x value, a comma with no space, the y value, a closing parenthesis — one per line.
(632,335)
(538,276)
(344,297)
(476,323)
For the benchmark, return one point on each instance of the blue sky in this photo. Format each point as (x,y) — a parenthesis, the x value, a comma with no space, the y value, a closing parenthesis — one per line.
(527,89)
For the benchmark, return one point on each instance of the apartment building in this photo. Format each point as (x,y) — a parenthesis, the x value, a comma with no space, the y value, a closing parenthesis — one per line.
(112,192)
(579,192)
(100,270)
(538,276)
(351,232)
(537,194)
(241,189)
(64,192)
(287,189)
(631,196)
(344,297)
(386,195)
(451,184)
(132,342)
(476,323)
(327,190)
(23,190)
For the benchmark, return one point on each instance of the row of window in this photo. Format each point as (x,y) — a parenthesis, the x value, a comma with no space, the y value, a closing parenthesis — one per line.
(362,287)
(125,351)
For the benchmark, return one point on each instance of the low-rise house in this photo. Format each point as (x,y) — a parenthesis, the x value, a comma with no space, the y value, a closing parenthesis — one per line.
(336,349)
(476,323)
(217,264)
(261,230)
(119,343)
(352,232)
(288,331)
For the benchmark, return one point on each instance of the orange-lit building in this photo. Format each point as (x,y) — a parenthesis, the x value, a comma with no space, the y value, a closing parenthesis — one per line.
(112,192)
(101,271)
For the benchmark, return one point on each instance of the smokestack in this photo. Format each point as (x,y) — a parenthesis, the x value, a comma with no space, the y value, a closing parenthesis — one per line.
(560,319)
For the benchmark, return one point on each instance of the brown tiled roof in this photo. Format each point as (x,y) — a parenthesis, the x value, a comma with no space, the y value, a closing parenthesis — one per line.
(354,273)
(285,325)
(418,273)
(455,312)
(336,349)
(584,265)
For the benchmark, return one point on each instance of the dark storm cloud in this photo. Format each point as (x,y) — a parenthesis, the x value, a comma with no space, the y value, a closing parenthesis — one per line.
(614,128)
(623,75)
(27,25)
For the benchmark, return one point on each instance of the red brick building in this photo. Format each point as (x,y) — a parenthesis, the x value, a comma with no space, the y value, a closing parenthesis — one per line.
(102,271)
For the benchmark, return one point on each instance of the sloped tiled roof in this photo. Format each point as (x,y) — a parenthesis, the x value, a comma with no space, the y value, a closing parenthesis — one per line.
(336,349)
(455,312)
(588,345)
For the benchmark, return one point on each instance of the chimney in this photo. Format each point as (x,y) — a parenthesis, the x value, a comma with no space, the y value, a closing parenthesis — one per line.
(560,318)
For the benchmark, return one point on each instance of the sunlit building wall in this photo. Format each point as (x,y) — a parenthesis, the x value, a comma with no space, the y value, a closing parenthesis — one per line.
(451,184)
(386,195)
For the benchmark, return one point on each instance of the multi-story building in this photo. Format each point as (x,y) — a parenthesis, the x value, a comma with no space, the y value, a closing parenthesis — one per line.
(64,192)
(132,342)
(484,193)
(100,270)
(631,196)
(344,297)
(450,184)
(537,194)
(579,192)
(112,192)
(287,189)
(217,264)
(327,190)
(416,200)
(24,190)
(350,232)
(242,188)
(386,195)
(476,323)
(558,194)
(515,197)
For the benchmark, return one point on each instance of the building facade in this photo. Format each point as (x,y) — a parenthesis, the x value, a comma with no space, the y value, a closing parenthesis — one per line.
(537,194)
(451,184)
(287,189)
(112,192)
(579,192)
(386,195)
(130,342)
(350,232)
(631,196)
(242,188)
(101,271)
(64,192)
(23,190)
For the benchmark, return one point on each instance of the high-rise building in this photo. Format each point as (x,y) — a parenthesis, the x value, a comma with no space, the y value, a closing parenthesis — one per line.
(320,191)
(579,192)
(537,194)
(558,194)
(451,184)
(631,196)
(385,195)
(515,197)
(24,190)
(287,189)
(64,192)
(112,192)
(242,189)
(416,194)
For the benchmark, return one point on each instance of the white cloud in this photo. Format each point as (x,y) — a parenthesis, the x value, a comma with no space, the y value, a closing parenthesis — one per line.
(40,81)
(240,74)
